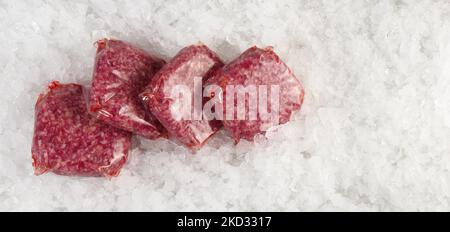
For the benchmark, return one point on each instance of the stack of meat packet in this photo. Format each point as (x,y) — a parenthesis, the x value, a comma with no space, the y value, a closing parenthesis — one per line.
(89,134)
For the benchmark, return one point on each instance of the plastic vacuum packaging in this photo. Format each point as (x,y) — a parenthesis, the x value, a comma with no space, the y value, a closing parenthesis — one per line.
(260,86)
(69,141)
(187,71)
(121,72)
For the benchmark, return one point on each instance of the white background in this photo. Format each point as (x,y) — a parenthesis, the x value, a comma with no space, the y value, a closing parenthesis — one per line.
(373,134)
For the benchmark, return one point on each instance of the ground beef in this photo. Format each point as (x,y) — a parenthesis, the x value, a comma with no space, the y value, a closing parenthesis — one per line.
(258,67)
(191,62)
(121,72)
(69,141)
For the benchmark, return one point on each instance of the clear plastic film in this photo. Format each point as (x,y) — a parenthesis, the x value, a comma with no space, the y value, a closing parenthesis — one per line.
(184,74)
(121,72)
(69,141)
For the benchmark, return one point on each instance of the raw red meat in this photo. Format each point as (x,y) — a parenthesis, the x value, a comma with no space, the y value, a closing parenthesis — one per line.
(258,67)
(121,72)
(69,141)
(196,61)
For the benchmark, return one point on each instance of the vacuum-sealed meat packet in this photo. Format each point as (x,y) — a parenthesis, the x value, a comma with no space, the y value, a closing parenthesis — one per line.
(259,92)
(121,72)
(69,141)
(186,72)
